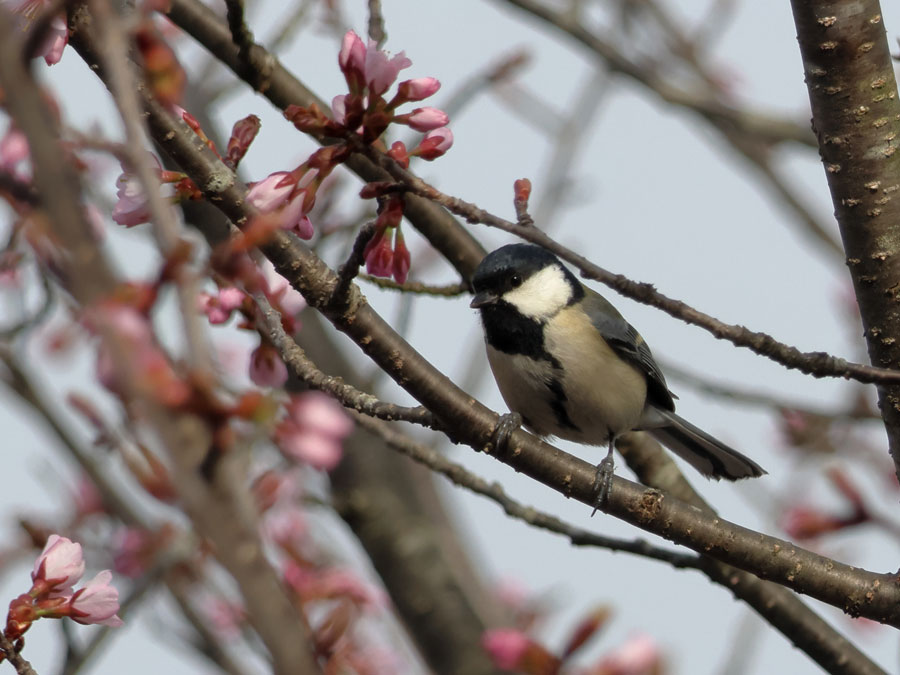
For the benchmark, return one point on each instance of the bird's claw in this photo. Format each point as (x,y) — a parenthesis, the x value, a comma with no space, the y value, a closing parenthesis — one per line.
(505,427)
(603,482)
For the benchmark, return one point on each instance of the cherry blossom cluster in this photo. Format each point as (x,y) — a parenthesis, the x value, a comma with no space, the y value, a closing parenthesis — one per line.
(53,595)
(512,649)
(364,114)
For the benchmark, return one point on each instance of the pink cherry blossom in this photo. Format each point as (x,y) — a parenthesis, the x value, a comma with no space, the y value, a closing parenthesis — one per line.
(424,119)
(434,144)
(417,89)
(266,367)
(96,603)
(506,647)
(382,69)
(271,192)
(339,108)
(281,194)
(59,566)
(401,262)
(379,255)
(352,56)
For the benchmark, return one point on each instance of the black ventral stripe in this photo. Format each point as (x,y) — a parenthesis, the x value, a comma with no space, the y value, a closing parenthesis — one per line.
(508,331)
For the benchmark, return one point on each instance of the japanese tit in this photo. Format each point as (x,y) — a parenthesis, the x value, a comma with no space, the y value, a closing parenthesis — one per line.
(571,366)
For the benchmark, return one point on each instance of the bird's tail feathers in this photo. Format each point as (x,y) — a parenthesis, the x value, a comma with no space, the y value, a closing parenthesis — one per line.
(708,455)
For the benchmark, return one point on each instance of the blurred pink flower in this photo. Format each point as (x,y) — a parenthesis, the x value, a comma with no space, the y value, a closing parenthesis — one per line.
(321,413)
(132,208)
(266,367)
(639,655)
(57,35)
(285,526)
(314,430)
(56,40)
(96,603)
(330,583)
(13,150)
(506,647)
(59,566)
(130,551)
(280,291)
(218,307)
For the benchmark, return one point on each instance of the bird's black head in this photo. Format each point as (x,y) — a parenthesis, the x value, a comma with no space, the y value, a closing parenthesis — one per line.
(529,278)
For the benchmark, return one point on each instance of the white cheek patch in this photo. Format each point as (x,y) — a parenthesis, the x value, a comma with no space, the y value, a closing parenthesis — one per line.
(542,295)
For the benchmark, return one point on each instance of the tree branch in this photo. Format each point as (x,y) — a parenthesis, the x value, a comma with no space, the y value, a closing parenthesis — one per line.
(856,115)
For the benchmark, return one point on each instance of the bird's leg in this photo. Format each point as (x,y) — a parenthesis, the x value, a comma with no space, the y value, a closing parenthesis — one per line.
(505,427)
(603,477)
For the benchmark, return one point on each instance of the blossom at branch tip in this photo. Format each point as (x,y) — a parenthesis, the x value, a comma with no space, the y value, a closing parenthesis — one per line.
(59,566)
(379,255)
(382,69)
(435,144)
(424,119)
(401,260)
(279,194)
(96,603)
(267,369)
(417,89)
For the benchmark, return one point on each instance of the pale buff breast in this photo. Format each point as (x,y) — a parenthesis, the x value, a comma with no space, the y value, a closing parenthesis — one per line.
(611,393)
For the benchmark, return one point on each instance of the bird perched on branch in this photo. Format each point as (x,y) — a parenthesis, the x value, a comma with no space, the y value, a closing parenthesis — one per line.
(567,362)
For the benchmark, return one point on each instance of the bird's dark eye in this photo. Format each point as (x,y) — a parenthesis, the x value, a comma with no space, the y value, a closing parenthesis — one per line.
(515,281)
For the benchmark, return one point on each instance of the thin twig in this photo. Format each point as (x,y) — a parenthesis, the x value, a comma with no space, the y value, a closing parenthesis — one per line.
(303,367)
(120,77)
(350,268)
(18,661)
(447,291)
(376,23)
(461,476)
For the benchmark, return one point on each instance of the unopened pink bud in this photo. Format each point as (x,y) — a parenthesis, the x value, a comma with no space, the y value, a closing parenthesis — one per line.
(417,89)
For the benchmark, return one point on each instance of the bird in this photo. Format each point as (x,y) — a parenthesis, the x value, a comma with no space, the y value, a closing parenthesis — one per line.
(569,365)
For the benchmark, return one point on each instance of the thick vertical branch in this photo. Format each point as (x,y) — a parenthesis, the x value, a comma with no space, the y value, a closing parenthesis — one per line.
(856,116)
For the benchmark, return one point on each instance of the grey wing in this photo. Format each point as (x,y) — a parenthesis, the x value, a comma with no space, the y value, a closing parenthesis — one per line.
(629,345)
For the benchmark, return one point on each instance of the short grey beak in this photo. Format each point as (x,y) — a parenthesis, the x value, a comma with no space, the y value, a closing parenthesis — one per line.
(482,299)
